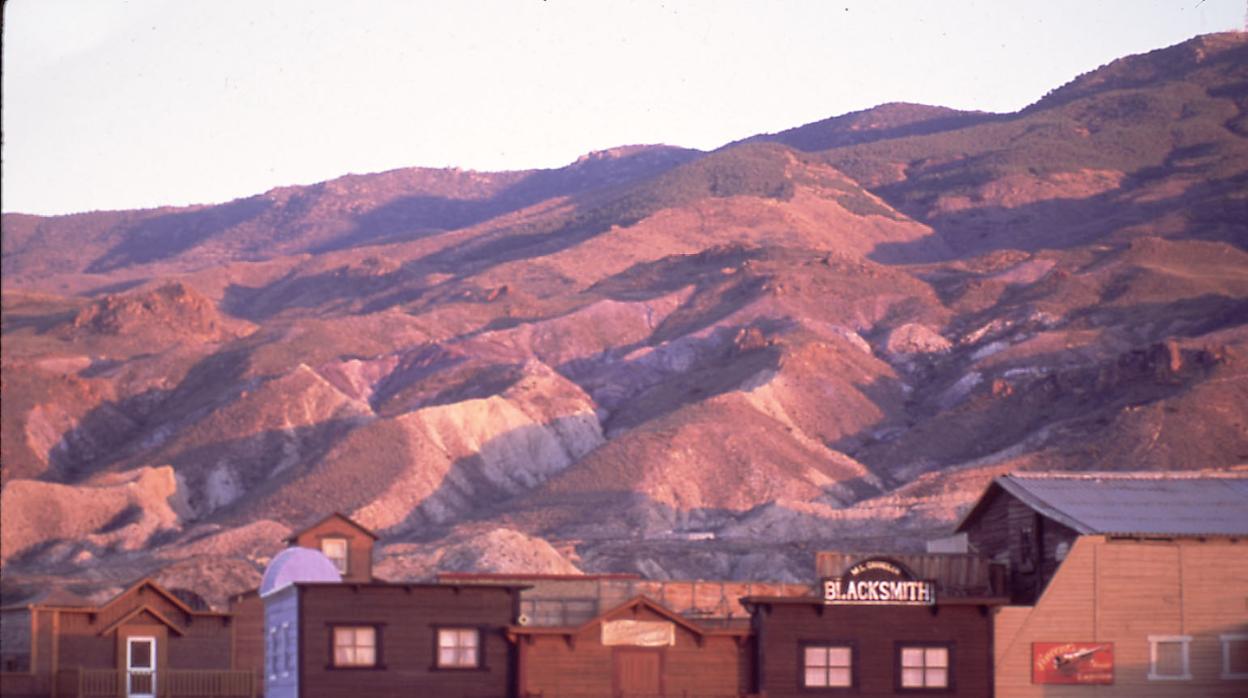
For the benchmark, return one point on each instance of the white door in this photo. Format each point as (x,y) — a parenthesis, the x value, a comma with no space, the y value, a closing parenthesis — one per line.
(141,667)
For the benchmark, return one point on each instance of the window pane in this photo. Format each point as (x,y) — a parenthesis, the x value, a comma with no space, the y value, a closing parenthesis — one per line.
(344,637)
(816,677)
(446,638)
(446,656)
(342,656)
(912,678)
(816,656)
(1170,658)
(937,677)
(1237,657)
(911,656)
(937,656)
(364,637)
(468,638)
(838,656)
(839,677)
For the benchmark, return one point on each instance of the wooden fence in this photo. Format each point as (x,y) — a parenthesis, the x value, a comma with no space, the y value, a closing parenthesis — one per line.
(170,683)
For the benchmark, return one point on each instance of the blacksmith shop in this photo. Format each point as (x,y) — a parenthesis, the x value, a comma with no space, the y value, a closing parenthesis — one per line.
(881,626)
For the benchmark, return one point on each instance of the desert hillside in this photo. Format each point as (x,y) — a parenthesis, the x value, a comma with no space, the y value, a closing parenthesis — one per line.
(654,360)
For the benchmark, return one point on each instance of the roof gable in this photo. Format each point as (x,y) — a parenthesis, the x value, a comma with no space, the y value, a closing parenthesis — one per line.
(138,612)
(336,516)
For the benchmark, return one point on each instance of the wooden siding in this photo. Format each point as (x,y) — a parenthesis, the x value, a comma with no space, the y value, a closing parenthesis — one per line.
(874,632)
(1009,532)
(407,618)
(247,630)
(359,545)
(1122,591)
(15,640)
(578,664)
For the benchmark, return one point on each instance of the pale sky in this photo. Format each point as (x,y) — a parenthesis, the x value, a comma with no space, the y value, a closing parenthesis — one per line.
(113,104)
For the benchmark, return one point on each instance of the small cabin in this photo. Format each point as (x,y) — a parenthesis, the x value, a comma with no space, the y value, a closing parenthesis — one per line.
(146,641)
(637,648)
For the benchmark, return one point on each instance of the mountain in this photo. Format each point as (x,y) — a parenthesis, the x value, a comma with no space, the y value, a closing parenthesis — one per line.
(657,360)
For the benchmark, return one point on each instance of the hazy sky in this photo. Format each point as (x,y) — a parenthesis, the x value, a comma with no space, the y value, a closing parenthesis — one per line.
(135,103)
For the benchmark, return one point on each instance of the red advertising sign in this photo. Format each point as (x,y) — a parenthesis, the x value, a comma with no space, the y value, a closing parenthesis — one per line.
(1072,662)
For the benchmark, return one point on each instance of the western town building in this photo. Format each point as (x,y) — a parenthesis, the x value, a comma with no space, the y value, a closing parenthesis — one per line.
(880,626)
(1056,585)
(145,642)
(1124,584)
(347,545)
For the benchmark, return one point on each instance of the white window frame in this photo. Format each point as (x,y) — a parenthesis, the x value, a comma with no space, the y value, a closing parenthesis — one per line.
(345,567)
(925,667)
(1227,639)
(1185,645)
(455,633)
(827,668)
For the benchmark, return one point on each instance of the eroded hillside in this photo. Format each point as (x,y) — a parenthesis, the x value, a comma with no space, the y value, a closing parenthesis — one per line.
(658,360)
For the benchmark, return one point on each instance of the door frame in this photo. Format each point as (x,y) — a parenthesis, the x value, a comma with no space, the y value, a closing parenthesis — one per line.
(660,652)
(130,669)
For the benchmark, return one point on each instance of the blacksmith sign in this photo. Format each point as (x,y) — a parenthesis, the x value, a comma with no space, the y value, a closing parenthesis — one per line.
(878,582)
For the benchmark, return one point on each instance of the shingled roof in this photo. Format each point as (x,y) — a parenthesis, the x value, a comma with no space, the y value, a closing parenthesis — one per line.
(1131,503)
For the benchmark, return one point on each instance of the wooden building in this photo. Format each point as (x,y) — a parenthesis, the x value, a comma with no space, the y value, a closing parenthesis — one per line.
(145,641)
(878,629)
(347,544)
(1129,584)
(382,639)
(638,648)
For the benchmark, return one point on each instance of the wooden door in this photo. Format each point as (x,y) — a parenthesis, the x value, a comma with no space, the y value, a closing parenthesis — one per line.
(638,673)
(140,667)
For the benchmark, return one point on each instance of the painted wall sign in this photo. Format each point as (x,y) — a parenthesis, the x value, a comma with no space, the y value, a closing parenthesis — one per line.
(639,633)
(1072,662)
(878,582)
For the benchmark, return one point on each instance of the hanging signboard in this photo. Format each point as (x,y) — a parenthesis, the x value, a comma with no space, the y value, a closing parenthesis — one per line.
(1072,662)
(881,582)
(639,633)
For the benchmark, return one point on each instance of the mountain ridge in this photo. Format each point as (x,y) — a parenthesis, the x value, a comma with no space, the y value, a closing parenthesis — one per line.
(652,360)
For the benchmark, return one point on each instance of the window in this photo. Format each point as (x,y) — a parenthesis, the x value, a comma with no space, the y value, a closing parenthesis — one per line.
(924,667)
(459,648)
(1167,657)
(270,652)
(336,550)
(827,666)
(289,663)
(355,646)
(1235,656)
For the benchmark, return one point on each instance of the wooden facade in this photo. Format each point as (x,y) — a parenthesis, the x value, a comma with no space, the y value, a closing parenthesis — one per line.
(381,639)
(638,648)
(248,608)
(1030,545)
(1143,599)
(337,533)
(785,629)
(1126,584)
(145,641)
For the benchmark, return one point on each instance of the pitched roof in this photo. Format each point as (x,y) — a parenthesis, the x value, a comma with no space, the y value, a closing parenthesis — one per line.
(1200,503)
(336,515)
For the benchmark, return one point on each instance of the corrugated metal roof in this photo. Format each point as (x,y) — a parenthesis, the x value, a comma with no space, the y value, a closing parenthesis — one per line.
(1145,503)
